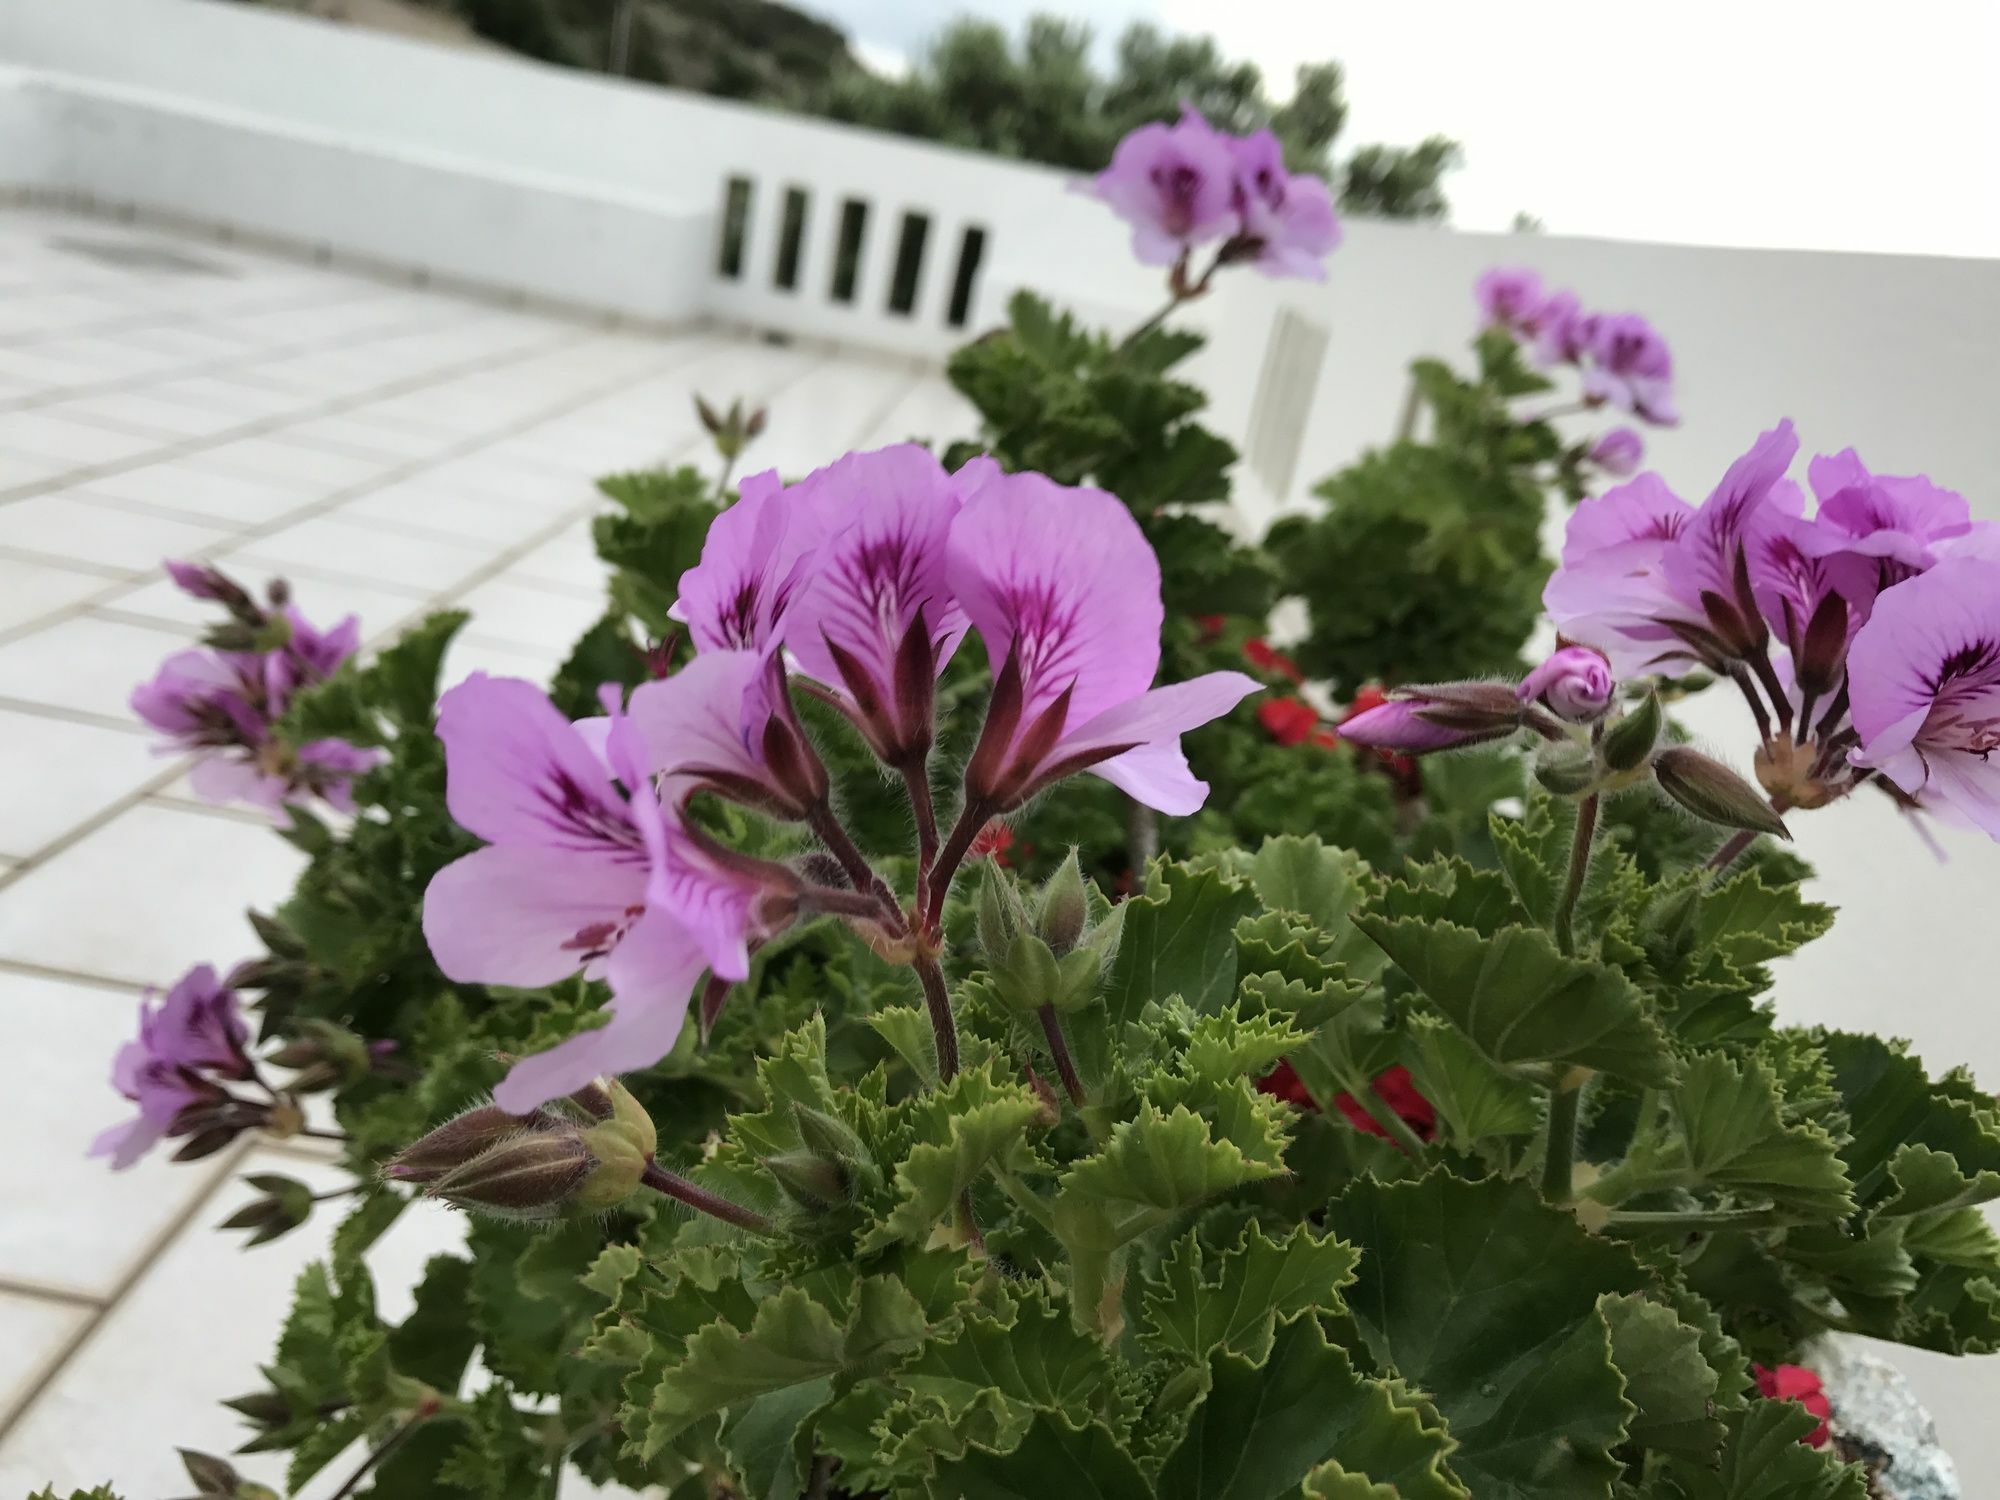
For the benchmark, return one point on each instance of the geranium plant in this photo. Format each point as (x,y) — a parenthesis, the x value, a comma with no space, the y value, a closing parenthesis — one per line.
(815,1139)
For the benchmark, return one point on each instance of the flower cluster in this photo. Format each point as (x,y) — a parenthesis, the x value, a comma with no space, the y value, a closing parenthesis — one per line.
(1621,357)
(1189,184)
(1394,1090)
(189,1045)
(223,701)
(855,585)
(1865,636)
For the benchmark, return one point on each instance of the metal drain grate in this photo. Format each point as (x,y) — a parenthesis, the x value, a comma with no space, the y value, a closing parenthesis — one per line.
(127,255)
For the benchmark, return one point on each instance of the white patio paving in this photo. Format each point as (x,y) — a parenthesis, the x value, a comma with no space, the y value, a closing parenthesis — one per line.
(390,450)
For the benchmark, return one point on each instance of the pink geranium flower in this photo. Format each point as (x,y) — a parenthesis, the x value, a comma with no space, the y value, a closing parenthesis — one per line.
(1065,591)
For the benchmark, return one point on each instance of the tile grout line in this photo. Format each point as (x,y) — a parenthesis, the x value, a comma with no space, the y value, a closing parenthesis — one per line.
(28,969)
(143,1263)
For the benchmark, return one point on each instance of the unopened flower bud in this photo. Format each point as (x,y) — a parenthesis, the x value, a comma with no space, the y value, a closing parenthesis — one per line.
(711,421)
(279,938)
(620,1148)
(1029,978)
(218,1477)
(285,1204)
(753,426)
(999,912)
(1078,973)
(816,1183)
(828,1135)
(452,1144)
(1436,716)
(1065,907)
(264,1410)
(1822,655)
(529,1177)
(1574,684)
(1566,769)
(1626,744)
(1619,452)
(1713,792)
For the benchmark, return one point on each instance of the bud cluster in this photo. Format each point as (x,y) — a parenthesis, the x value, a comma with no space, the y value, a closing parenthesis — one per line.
(1048,952)
(581,1154)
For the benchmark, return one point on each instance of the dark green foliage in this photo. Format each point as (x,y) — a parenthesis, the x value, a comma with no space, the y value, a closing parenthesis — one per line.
(1426,564)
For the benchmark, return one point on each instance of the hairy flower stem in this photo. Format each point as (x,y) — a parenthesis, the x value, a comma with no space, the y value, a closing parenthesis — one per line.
(677,1187)
(1780,699)
(915,772)
(846,903)
(829,830)
(1579,867)
(971,819)
(1758,712)
(1559,1155)
(1052,1028)
(944,1026)
(1142,839)
(1734,845)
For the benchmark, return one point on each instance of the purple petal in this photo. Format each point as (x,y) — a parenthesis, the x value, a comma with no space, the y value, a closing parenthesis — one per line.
(652,975)
(528,916)
(1753,499)
(517,771)
(709,717)
(1065,578)
(756,560)
(1924,672)
(892,510)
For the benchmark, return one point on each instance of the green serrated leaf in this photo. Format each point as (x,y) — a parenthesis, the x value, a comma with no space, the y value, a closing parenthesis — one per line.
(971,1122)
(1178,940)
(1195,1305)
(1764,1459)
(1485,1298)
(1666,1376)
(1521,1001)
(1473,1098)
(763,1439)
(1265,1426)
(1734,1137)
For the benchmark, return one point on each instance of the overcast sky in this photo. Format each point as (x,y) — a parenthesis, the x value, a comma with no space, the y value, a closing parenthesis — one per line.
(1845,124)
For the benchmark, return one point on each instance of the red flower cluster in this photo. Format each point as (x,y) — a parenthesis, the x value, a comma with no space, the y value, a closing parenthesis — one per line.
(1293,721)
(1393,1086)
(1797,1383)
(995,840)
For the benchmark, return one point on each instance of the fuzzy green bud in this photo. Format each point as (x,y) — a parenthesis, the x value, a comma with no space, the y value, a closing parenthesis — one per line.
(828,1135)
(1626,744)
(451,1145)
(1000,913)
(1029,977)
(620,1148)
(1065,907)
(1714,793)
(285,1203)
(815,1183)
(1566,769)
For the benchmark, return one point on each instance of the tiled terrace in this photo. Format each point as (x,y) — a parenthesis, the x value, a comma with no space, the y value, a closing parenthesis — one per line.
(388,449)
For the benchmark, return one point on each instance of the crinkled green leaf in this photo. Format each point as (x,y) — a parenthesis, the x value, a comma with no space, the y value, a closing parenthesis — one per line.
(1473,1098)
(1484,1298)
(1520,1001)
(1764,1459)
(1666,1376)
(1197,1303)
(1153,1168)
(764,1439)
(1053,1458)
(1264,1426)
(1734,1137)
(1749,920)
(972,1121)
(1178,940)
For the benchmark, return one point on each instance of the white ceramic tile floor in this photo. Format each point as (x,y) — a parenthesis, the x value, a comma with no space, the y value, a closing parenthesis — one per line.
(59,774)
(71,525)
(399,449)
(31,590)
(72,1225)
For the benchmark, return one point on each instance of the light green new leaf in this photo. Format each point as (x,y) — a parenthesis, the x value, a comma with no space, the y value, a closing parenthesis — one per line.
(971,1122)
(1301,874)
(908,1030)
(1750,921)
(1534,853)
(1485,1299)
(1178,940)
(1734,1137)
(1154,1167)
(1666,1377)
(1196,1305)
(791,1340)
(1521,1001)
(1264,1427)
(1473,1098)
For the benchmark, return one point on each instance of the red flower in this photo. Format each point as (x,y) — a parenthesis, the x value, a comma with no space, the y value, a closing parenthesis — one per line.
(1275,663)
(1282,1082)
(1289,721)
(1402,767)
(1210,627)
(1797,1383)
(1393,1086)
(994,840)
